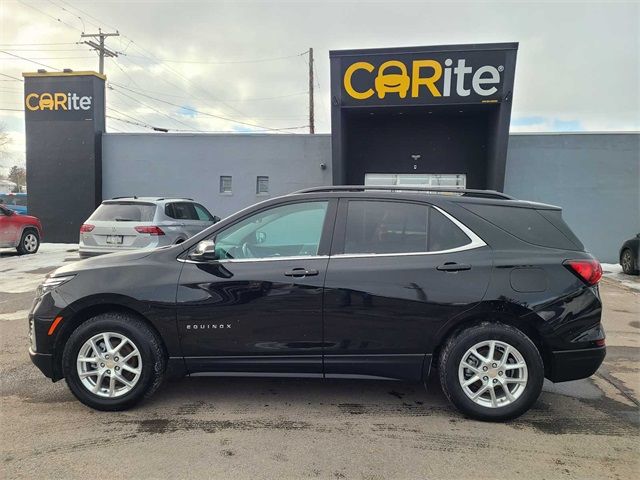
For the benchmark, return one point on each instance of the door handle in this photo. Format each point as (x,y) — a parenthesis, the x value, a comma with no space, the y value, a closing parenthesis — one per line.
(453,267)
(300,272)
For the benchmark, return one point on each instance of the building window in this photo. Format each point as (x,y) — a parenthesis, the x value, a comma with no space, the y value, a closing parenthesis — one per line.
(262,185)
(225,184)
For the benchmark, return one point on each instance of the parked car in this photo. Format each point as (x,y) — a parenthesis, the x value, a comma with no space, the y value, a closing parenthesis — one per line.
(20,231)
(15,201)
(489,293)
(131,223)
(629,254)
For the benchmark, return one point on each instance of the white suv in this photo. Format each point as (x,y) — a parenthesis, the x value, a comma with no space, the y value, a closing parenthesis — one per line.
(128,223)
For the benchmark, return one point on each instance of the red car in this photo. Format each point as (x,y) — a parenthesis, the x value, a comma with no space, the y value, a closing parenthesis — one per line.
(20,231)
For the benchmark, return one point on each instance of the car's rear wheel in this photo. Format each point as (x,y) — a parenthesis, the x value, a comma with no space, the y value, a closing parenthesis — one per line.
(113,361)
(29,242)
(628,262)
(491,371)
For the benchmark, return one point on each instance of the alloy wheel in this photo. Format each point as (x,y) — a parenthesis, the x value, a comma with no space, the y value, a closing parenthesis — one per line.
(627,261)
(30,242)
(109,365)
(493,374)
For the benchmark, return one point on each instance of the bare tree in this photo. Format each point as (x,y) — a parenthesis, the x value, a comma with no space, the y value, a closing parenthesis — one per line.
(5,141)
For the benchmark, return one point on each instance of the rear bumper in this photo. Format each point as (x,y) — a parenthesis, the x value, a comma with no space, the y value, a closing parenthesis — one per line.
(575,364)
(43,361)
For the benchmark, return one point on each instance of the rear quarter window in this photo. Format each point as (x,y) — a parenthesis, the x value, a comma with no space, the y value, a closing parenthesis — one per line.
(527,224)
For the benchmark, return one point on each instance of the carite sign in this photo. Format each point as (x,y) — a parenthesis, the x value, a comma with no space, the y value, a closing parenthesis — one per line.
(423,78)
(60,100)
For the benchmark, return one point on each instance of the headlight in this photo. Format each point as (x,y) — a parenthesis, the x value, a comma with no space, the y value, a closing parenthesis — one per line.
(53,282)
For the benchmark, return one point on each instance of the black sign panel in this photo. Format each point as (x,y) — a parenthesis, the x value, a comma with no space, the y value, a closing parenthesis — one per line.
(423,78)
(64,120)
(59,99)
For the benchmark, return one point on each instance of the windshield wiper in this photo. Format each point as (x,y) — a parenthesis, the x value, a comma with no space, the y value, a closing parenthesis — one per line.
(118,219)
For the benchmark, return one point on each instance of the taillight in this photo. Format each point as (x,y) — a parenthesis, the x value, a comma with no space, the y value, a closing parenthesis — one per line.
(151,230)
(588,270)
(86,228)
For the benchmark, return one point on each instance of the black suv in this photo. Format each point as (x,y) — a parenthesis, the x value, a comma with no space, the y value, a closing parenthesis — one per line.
(337,282)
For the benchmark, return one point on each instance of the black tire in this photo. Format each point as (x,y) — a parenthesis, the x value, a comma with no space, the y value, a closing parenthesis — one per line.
(28,239)
(456,347)
(628,262)
(145,339)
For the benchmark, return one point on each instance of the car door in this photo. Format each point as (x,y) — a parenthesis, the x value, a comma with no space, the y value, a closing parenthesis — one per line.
(4,227)
(8,228)
(257,308)
(186,214)
(398,271)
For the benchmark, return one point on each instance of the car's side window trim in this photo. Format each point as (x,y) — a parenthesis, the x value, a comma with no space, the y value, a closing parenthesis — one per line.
(338,247)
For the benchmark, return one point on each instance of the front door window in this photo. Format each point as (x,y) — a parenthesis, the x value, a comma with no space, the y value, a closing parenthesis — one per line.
(292,230)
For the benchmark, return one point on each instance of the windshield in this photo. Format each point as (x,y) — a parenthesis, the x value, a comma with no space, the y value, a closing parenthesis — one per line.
(124,212)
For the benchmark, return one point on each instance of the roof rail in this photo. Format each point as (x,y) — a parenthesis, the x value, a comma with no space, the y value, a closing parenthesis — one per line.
(174,198)
(466,192)
(126,196)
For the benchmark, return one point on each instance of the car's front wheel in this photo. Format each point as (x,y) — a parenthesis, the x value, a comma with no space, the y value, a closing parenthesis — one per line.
(491,371)
(113,361)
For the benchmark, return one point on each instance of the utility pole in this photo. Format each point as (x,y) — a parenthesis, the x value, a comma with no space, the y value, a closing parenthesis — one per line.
(312,128)
(99,46)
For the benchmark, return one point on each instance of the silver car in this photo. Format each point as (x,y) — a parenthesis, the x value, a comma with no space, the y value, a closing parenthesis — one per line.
(128,223)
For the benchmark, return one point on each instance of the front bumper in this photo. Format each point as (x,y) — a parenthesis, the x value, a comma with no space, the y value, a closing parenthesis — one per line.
(44,362)
(575,364)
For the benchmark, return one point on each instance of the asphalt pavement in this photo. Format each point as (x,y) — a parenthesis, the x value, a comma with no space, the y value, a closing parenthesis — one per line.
(287,428)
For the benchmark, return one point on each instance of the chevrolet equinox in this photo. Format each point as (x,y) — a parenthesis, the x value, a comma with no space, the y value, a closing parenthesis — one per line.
(490,293)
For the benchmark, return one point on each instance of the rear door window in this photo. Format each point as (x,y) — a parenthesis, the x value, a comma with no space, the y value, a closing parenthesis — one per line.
(124,212)
(381,227)
(182,211)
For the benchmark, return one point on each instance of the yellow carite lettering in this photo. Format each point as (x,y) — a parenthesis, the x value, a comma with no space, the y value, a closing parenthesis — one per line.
(392,82)
(28,104)
(46,101)
(60,101)
(428,81)
(347,80)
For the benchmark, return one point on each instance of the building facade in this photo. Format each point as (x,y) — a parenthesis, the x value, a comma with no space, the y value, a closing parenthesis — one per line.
(595,178)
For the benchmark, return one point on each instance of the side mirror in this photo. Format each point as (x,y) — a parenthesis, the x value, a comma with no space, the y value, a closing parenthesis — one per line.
(216,219)
(204,251)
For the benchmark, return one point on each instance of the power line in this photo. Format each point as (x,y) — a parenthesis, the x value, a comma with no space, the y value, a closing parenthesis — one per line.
(150,55)
(219,117)
(48,15)
(11,77)
(48,58)
(153,58)
(230,62)
(89,15)
(154,109)
(29,60)
(35,44)
(42,49)
(130,122)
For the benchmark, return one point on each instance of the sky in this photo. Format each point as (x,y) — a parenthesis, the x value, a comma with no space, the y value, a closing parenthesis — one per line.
(242,66)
